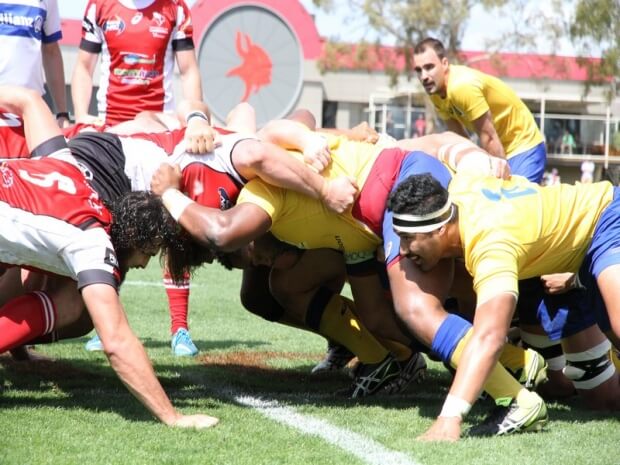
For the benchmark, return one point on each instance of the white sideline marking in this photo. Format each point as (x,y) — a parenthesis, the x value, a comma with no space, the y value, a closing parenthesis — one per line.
(365,449)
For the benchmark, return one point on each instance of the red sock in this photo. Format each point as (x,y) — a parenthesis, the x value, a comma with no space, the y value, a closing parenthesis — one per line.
(25,318)
(178,302)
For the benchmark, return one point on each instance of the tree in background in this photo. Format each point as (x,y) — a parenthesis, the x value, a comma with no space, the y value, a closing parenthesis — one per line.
(406,22)
(596,27)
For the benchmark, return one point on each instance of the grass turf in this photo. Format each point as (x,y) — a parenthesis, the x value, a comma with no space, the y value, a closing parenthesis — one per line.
(73,409)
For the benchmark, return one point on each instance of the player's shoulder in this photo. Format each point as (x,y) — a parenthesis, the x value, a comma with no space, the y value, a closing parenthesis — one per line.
(462,76)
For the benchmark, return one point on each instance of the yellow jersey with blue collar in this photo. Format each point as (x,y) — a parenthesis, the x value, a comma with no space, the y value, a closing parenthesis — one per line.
(307,223)
(515,229)
(471,93)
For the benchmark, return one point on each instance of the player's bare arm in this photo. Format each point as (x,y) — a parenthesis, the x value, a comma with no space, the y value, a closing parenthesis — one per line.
(40,125)
(82,84)
(129,359)
(489,139)
(226,230)
(277,167)
(190,74)
(455,126)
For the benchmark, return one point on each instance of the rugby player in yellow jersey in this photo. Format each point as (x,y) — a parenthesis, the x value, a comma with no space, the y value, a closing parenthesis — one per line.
(467,98)
(506,231)
(306,223)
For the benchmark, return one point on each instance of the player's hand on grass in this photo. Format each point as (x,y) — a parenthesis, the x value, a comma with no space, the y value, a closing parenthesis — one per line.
(443,429)
(195,421)
(200,137)
(339,194)
(166,177)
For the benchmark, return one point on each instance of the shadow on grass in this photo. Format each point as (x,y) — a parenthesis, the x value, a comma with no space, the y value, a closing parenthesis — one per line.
(213,378)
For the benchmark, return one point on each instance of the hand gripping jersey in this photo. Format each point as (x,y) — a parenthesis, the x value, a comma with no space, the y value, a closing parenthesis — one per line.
(118,164)
(52,220)
(306,223)
(137,47)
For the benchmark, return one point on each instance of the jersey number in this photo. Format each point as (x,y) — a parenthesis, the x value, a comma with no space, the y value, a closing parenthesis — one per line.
(64,183)
(508,194)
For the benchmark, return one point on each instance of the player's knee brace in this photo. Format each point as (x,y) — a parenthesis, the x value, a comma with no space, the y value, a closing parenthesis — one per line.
(550,350)
(590,368)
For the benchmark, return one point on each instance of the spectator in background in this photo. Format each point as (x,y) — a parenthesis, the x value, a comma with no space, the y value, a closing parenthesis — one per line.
(139,42)
(420,125)
(466,98)
(29,35)
(568,142)
(554,177)
(587,171)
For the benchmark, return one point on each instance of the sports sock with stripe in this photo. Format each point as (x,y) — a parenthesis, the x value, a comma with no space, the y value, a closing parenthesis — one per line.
(24,318)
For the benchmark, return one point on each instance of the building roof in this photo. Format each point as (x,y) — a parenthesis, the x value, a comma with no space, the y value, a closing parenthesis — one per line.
(506,65)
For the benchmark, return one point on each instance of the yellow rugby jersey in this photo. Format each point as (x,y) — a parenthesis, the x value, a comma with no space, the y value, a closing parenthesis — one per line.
(516,229)
(307,223)
(471,93)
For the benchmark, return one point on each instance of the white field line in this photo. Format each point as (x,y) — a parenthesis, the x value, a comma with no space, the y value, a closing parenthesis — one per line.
(364,448)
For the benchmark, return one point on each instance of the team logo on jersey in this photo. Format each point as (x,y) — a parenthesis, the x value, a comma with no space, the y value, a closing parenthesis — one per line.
(114,25)
(139,76)
(22,21)
(137,18)
(7,176)
(225,202)
(255,70)
(110,258)
(456,111)
(137,58)
(37,24)
(159,29)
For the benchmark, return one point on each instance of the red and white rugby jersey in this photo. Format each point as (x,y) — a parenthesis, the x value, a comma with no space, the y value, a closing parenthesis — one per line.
(146,151)
(137,40)
(54,221)
(54,188)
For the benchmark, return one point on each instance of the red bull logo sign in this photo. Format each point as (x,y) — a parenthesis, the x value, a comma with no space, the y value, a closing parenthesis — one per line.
(250,54)
(255,68)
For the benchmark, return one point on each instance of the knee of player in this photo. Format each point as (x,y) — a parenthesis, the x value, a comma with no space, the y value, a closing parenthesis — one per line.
(490,339)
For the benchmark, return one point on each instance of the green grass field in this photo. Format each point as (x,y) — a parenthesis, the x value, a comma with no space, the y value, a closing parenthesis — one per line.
(253,375)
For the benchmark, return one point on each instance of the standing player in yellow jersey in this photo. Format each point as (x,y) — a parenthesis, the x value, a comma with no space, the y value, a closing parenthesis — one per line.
(506,231)
(469,99)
